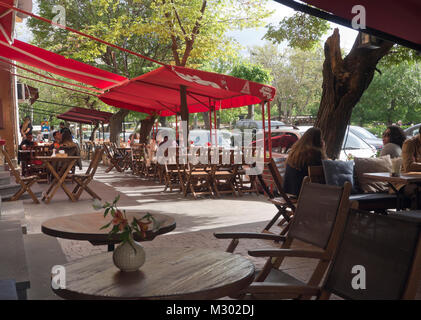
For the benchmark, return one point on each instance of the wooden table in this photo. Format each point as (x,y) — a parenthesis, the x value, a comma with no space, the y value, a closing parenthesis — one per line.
(403,178)
(168,273)
(86,227)
(59,177)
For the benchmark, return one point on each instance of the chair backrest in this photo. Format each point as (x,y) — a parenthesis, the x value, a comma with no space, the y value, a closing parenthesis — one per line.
(380,253)
(316,174)
(108,150)
(273,167)
(93,165)
(320,213)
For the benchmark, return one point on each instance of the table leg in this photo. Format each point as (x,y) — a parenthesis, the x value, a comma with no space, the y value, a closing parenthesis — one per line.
(58,182)
(111,247)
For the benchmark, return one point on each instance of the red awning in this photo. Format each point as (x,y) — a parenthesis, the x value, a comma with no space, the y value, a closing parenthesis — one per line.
(6,22)
(86,116)
(159,91)
(57,64)
(397,20)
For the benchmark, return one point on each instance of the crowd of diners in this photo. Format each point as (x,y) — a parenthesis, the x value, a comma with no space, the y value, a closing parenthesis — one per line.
(61,139)
(310,150)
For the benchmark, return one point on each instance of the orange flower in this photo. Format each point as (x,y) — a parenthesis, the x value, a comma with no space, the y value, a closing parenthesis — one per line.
(143,226)
(119,220)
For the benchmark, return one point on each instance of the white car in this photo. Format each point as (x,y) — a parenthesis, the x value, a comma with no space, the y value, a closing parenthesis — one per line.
(202,138)
(352,146)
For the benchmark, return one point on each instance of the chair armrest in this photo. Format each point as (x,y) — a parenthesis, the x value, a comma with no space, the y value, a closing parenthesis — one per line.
(280,288)
(249,235)
(288,253)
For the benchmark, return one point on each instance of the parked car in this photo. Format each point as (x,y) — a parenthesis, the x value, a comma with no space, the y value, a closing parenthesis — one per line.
(202,138)
(352,146)
(412,131)
(257,124)
(278,137)
(367,136)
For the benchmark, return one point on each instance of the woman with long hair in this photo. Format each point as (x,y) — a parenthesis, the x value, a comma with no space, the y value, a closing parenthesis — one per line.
(393,139)
(307,151)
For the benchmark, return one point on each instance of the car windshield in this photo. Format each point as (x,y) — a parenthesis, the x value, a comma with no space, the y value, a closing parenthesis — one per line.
(352,142)
(363,133)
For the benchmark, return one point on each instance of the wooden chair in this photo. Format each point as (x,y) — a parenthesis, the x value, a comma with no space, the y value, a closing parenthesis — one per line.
(25,182)
(198,180)
(82,180)
(223,174)
(378,258)
(285,203)
(318,222)
(114,158)
(138,160)
(249,184)
(37,167)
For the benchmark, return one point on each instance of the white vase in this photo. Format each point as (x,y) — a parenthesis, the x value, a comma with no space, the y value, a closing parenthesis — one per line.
(129,256)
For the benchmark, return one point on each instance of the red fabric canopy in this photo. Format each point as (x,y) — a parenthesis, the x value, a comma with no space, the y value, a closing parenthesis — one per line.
(6,22)
(86,116)
(57,64)
(400,18)
(159,91)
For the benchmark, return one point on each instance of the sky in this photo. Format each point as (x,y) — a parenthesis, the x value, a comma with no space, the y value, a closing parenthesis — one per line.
(253,37)
(247,37)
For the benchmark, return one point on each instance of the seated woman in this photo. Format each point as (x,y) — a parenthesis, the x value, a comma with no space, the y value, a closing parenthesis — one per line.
(393,139)
(71,148)
(308,151)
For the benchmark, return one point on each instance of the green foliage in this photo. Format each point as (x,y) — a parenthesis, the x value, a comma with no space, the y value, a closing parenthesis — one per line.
(392,96)
(297,76)
(121,225)
(251,72)
(301,31)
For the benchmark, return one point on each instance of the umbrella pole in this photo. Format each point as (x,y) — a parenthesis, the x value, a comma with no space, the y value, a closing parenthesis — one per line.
(270,131)
(264,130)
(210,122)
(215,126)
(176,128)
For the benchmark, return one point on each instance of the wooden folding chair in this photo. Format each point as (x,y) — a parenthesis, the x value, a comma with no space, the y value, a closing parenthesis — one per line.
(82,180)
(285,203)
(223,175)
(113,157)
(198,180)
(318,222)
(248,185)
(25,182)
(138,160)
(378,258)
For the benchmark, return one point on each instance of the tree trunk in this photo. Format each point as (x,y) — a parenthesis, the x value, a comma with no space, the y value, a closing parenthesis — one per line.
(205,116)
(163,121)
(92,137)
(250,112)
(279,109)
(116,125)
(344,82)
(145,128)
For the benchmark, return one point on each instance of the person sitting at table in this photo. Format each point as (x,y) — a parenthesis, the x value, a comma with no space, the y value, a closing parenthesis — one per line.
(28,142)
(308,151)
(411,154)
(393,139)
(71,148)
